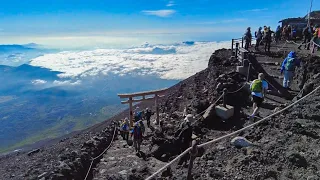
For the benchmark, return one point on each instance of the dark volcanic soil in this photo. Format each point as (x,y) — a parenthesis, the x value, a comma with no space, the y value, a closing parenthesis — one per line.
(288,143)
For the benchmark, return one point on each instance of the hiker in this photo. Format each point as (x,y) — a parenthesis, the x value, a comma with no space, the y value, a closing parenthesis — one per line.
(258,35)
(288,67)
(247,38)
(267,39)
(143,129)
(148,114)
(137,116)
(315,39)
(124,129)
(288,33)
(294,33)
(185,138)
(187,121)
(278,34)
(307,35)
(284,32)
(136,135)
(258,88)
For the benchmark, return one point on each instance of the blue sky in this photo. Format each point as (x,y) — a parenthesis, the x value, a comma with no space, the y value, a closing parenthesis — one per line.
(54,20)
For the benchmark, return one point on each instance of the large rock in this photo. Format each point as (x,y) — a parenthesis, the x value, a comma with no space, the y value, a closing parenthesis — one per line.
(297,160)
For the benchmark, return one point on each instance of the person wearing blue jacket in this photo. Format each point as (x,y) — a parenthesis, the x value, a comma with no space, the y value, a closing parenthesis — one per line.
(288,67)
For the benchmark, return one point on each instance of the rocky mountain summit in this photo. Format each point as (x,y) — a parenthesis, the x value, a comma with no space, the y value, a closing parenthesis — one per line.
(286,145)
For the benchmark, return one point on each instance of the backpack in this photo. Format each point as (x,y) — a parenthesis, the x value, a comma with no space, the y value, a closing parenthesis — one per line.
(306,31)
(256,86)
(137,132)
(125,127)
(290,65)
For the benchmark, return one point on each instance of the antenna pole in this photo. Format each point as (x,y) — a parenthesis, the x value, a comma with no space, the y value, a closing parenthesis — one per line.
(310,13)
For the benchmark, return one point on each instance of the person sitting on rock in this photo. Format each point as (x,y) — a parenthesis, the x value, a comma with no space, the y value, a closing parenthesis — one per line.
(288,67)
(136,135)
(258,88)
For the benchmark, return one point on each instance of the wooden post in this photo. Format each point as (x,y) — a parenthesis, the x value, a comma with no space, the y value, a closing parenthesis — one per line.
(131,112)
(224,97)
(232,46)
(242,42)
(193,155)
(237,49)
(157,109)
(248,72)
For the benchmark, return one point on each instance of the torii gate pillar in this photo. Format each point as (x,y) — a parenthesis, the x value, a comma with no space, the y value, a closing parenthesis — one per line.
(154,95)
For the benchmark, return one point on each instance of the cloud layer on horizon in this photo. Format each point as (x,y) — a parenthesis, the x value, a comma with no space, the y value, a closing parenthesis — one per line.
(177,61)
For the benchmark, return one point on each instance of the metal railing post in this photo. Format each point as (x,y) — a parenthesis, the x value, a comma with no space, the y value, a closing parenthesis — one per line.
(232,46)
(193,155)
(224,97)
(248,72)
(242,42)
(237,49)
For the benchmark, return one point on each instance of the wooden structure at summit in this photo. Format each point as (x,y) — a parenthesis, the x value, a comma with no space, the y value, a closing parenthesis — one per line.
(141,97)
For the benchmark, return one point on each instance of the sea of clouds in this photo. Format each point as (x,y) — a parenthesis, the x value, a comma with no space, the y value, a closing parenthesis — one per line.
(174,62)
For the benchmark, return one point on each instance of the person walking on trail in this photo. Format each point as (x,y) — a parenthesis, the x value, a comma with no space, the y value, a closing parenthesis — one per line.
(284,33)
(185,138)
(143,128)
(288,67)
(136,135)
(307,36)
(258,35)
(278,34)
(294,33)
(137,116)
(148,115)
(268,39)
(258,89)
(124,129)
(248,38)
(288,33)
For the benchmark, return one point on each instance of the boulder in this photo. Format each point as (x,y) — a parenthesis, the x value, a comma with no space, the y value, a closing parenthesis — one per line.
(240,142)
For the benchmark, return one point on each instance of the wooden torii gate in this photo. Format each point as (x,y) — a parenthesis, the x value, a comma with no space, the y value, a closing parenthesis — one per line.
(152,95)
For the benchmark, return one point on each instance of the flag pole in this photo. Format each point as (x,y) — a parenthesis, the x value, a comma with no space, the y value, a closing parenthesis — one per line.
(310,13)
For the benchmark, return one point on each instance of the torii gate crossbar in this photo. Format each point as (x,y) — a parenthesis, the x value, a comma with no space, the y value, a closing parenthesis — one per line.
(156,94)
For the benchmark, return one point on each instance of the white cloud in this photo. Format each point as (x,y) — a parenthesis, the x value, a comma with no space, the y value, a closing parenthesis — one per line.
(224,21)
(66,83)
(256,10)
(177,61)
(170,4)
(38,82)
(159,13)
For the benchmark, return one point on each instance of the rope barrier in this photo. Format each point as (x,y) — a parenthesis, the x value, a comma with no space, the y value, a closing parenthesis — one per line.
(292,42)
(244,85)
(231,134)
(315,43)
(260,121)
(93,159)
